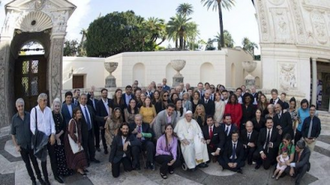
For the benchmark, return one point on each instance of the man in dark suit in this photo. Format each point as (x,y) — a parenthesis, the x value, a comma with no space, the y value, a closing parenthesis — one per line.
(144,135)
(282,121)
(249,138)
(275,99)
(67,107)
(149,92)
(76,96)
(311,128)
(214,137)
(233,156)
(88,117)
(102,110)
(268,143)
(300,164)
(121,148)
(93,102)
(228,127)
(128,95)
(208,103)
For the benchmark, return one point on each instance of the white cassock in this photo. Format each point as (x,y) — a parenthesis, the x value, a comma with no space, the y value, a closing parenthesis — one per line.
(196,152)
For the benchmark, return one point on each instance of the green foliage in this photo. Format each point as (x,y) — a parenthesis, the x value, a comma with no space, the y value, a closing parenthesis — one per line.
(209,45)
(248,45)
(185,9)
(70,48)
(121,32)
(228,39)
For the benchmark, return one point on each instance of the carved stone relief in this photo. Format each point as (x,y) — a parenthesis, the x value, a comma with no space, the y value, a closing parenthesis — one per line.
(325,4)
(276,2)
(263,20)
(287,76)
(319,26)
(299,21)
(56,71)
(282,25)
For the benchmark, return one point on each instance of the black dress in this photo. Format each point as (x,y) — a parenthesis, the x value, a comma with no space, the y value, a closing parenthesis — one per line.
(62,168)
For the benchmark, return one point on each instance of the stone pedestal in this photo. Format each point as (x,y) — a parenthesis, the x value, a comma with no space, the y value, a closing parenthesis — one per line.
(249,67)
(249,81)
(110,81)
(177,80)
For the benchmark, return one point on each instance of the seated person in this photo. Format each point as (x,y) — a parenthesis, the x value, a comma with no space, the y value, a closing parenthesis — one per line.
(267,146)
(249,138)
(228,127)
(300,165)
(282,160)
(193,145)
(166,152)
(144,135)
(121,150)
(214,136)
(233,155)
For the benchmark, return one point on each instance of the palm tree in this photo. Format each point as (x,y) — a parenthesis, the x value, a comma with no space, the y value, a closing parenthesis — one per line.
(156,29)
(218,5)
(179,28)
(228,40)
(185,9)
(249,46)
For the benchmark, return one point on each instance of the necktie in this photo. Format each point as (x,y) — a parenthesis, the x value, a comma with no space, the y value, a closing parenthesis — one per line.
(233,156)
(268,139)
(211,133)
(139,131)
(249,136)
(87,119)
(310,129)
(226,130)
(279,116)
(206,101)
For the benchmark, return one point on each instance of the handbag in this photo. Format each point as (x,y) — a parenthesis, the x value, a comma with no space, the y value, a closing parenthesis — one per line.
(38,141)
(74,146)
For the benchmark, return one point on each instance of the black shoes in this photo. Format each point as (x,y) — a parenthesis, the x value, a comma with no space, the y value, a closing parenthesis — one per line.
(257,166)
(34,182)
(239,170)
(95,160)
(152,167)
(59,179)
(47,182)
(98,149)
(203,165)
(106,151)
(42,182)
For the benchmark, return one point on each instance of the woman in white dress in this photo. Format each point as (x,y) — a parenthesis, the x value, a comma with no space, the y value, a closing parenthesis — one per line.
(219,108)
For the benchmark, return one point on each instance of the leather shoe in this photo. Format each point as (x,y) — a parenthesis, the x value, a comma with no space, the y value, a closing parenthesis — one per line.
(59,179)
(42,182)
(106,151)
(98,149)
(239,171)
(47,182)
(257,166)
(95,160)
(34,182)
(152,167)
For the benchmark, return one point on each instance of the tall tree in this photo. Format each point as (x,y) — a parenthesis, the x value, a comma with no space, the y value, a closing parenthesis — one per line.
(248,45)
(70,48)
(218,5)
(228,39)
(185,9)
(209,44)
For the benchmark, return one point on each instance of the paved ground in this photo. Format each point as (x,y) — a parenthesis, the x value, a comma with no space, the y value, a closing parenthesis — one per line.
(12,169)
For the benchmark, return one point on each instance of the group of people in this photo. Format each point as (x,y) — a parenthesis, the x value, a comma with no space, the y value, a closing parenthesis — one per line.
(170,126)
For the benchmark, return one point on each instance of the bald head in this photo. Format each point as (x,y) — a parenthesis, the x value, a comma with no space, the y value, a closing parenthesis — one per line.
(249,126)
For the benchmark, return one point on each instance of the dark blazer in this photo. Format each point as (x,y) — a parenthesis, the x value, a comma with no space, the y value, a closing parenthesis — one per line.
(145,129)
(84,127)
(275,139)
(253,139)
(101,110)
(150,94)
(123,96)
(248,113)
(218,139)
(90,103)
(229,151)
(285,122)
(257,126)
(117,151)
(316,128)
(65,112)
(271,101)
(304,158)
(232,129)
(209,106)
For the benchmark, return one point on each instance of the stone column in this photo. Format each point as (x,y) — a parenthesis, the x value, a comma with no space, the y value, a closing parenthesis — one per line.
(314,81)
(55,67)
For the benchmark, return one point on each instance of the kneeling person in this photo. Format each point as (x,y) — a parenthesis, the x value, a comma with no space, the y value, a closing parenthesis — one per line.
(121,150)
(144,135)
(193,145)
(233,156)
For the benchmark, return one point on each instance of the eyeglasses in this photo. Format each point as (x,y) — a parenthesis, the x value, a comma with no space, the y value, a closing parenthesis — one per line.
(45,100)
(165,95)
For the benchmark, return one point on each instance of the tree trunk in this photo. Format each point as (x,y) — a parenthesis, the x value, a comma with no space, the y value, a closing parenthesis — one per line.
(221,25)
(176,43)
(181,43)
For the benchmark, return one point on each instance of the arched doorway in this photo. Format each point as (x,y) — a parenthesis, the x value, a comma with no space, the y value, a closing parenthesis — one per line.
(139,74)
(30,73)
(207,73)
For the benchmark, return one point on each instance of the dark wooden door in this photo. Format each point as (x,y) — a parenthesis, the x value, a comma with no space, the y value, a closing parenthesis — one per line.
(78,81)
(325,91)
(30,78)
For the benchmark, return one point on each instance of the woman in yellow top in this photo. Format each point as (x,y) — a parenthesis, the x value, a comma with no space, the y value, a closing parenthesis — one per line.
(148,111)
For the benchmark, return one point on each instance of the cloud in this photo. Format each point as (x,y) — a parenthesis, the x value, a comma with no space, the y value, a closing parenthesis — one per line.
(74,24)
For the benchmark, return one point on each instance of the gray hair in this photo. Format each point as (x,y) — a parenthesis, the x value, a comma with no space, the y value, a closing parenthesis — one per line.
(42,96)
(56,101)
(138,116)
(20,101)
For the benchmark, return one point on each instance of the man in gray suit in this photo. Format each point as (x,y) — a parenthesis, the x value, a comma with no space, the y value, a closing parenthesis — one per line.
(164,117)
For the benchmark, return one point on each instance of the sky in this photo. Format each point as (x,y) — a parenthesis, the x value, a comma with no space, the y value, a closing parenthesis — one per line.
(240,21)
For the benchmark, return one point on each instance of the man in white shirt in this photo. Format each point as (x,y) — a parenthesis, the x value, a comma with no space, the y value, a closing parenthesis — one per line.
(42,117)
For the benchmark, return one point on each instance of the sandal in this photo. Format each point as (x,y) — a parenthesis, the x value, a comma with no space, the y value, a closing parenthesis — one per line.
(163,176)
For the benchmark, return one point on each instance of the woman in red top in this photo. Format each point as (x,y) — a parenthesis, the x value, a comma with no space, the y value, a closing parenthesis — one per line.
(234,109)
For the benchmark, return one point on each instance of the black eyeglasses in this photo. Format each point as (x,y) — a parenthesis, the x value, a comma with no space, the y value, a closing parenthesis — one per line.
(165,95)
